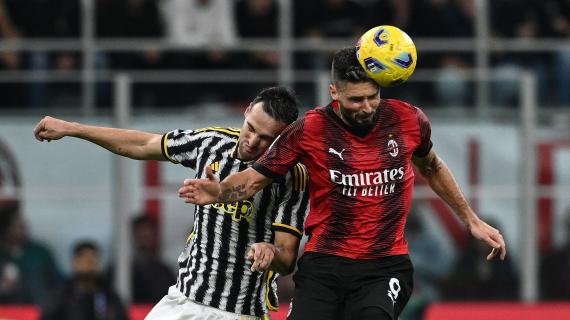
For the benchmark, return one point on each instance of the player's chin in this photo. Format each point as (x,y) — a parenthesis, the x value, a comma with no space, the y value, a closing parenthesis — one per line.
(248,156)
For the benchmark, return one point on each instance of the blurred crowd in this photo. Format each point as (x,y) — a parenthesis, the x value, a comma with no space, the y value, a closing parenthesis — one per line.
(195,23)
(29,274)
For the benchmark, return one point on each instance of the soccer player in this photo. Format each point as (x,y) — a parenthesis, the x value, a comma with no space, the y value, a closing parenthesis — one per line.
(215,279)
(359,152)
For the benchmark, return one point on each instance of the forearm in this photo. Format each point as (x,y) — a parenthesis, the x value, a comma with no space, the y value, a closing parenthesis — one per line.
(284,261)
(128,143)
(242,185)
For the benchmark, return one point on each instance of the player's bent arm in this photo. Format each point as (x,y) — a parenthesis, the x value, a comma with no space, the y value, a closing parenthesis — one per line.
(441,180)
(443,183)
(133,144)
(242,185)
(279,256)
(287,246)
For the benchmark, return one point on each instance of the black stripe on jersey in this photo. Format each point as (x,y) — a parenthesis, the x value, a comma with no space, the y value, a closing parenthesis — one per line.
(210,229)
(183,148)
(259,237)
(425,145)
(164,149)
(186,285)
(224,251)
(341,220)
(211,225)
(393,209)
(271,300)
(241,250)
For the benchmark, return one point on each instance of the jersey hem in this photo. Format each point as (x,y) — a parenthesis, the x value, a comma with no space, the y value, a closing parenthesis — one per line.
(287,228)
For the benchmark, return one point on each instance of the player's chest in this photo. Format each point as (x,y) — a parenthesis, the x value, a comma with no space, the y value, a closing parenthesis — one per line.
(379,151)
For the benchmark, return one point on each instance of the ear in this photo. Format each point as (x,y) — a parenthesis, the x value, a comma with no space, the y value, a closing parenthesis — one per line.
(333,91)
(247,110)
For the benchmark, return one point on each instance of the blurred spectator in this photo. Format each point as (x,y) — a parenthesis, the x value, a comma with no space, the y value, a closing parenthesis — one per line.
(151,277)
(554,275)
(338,18)
(199,22)
(391,12)
(130,19)
(86,295)
(9,60)
(451,86)
(558,12)
(58,19)
(258,19)
(432,263)
(528,23)
(443,18)
(446,19)
(475,278)
(27,268)
(321,19)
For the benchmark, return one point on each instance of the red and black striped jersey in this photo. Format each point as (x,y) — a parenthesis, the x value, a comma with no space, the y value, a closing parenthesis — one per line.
(361,184)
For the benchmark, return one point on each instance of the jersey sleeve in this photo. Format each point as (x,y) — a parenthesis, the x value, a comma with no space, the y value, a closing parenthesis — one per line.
(181,146)
(293,204)
(425,144)
(284,153)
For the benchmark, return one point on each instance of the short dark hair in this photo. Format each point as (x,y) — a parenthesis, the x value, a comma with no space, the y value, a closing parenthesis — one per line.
(345,67)
(279,103)
(83,245)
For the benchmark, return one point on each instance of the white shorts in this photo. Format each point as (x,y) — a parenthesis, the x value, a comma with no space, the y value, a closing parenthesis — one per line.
(176,306)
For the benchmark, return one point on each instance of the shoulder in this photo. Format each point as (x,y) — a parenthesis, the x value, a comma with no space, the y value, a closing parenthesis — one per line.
(405,109)
(224,131)
(401,106)
(221,132)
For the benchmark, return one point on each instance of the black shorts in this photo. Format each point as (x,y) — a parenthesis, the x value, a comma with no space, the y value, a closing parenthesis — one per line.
(331,287)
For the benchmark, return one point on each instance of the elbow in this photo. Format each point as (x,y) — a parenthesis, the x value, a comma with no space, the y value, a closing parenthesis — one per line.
(285,269)
(286,266)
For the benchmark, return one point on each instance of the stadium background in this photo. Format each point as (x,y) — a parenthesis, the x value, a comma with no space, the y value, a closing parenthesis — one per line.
(491,75)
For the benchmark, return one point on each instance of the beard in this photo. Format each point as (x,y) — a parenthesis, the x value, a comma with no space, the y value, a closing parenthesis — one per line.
(364,123)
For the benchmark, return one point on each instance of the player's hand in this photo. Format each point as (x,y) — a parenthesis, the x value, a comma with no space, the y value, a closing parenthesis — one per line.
(262,254)
(201,191)
(51,129)
(484,232)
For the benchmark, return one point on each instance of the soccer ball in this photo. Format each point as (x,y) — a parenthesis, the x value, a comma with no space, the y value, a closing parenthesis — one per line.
(387,54)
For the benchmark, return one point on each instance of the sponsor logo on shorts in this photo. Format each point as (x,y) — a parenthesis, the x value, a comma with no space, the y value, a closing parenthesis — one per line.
(394,289)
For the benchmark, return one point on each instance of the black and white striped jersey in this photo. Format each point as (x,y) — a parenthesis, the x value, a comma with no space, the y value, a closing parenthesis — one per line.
(213,269)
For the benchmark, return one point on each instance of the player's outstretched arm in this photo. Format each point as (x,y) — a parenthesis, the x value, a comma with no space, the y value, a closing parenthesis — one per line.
(441,180)
(129,143)
(235,187)
(279,257)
